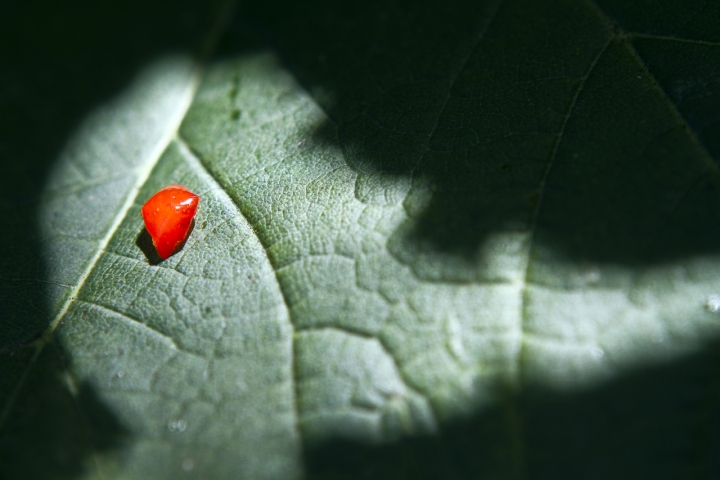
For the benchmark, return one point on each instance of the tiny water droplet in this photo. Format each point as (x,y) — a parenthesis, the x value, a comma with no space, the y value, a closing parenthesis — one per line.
(597,352)
(592,276)
(120,374)
(712,304)
(657,337)
(177,426)
(188,464)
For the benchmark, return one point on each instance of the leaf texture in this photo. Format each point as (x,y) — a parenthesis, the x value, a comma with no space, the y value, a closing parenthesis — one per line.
(438,240)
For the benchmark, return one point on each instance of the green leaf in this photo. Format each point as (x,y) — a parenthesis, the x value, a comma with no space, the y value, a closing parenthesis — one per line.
(435,240)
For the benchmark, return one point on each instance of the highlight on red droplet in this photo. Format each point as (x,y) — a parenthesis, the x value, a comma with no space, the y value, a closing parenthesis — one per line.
(168,216)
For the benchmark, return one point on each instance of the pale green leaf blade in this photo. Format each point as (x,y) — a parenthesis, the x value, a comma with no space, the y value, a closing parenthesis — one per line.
(435,241)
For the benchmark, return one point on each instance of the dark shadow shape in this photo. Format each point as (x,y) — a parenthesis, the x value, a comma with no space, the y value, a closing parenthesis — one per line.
(656,423)
(55,433)
(145,244)
(479,147)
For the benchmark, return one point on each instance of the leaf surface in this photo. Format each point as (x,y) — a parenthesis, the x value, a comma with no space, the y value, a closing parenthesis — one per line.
(434,241)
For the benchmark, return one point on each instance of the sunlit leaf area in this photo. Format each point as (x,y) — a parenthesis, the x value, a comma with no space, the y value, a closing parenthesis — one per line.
(435,240)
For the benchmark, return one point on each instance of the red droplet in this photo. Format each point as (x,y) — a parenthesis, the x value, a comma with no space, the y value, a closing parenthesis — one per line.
(168,216)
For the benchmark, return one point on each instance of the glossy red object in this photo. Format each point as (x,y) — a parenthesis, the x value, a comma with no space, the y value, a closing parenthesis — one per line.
(168,216)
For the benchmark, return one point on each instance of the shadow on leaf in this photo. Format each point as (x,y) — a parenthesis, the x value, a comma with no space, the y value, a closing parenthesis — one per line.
(658,422)
(506,121)
(55,433)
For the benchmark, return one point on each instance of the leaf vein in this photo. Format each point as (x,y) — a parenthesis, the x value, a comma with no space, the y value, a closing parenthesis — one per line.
(543,183)
(670,38)
(195,161)
(134,321)
(143,174)
(681,119)
(676,113)
(378,338)
(464,63)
